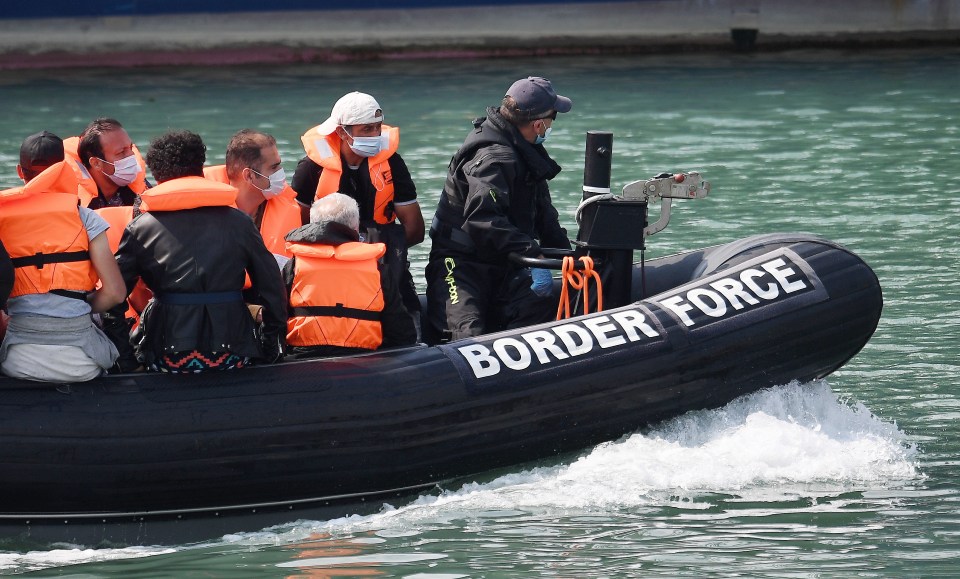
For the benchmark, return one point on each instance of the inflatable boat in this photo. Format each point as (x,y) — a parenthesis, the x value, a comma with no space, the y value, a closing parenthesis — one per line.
(160,459)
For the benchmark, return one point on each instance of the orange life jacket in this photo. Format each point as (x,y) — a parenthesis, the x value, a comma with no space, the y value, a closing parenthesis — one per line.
(87,186)
(324,150)
(41,229)
(187,193)
(118,218)
(280,216)
(336,298)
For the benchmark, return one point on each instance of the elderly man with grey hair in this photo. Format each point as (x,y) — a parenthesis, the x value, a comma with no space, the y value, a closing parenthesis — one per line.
(342,297)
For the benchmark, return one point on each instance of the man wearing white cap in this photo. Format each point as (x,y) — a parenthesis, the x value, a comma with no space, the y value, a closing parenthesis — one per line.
(354,153)
(496,201)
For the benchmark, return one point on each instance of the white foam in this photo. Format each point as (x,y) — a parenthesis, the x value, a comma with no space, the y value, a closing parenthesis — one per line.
(66,555)
(777,444)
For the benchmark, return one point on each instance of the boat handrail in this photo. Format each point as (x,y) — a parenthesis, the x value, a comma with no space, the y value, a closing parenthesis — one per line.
(553,259)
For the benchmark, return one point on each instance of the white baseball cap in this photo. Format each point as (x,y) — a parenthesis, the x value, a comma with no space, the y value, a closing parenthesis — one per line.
(355,108)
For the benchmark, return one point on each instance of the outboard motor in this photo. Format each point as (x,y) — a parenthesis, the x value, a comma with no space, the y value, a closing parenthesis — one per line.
(613,226)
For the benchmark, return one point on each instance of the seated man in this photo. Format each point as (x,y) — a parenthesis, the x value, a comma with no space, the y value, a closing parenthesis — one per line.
(58,251)
(193,249)
(112,173)
(353,152)
(253,167)
(342,298)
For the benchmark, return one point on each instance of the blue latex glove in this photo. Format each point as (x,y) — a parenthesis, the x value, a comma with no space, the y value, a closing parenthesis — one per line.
(542,282)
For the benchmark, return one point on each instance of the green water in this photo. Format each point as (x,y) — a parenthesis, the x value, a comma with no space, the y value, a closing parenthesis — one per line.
(857,476)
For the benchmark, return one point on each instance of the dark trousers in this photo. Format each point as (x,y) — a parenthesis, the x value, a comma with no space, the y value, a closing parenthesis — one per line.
(394,236)
(468,298)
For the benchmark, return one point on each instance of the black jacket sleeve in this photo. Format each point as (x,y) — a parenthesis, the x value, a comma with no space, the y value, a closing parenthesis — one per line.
(489,177)
(549,230)
(267,282)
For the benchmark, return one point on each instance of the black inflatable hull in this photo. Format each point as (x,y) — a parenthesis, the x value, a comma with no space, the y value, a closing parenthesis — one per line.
(153,459)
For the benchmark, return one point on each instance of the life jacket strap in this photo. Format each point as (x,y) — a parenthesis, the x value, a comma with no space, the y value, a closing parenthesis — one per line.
(337,311)
(69,294)
(38,260)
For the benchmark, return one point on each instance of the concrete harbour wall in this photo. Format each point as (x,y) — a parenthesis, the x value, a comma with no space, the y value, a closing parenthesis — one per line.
(474,31)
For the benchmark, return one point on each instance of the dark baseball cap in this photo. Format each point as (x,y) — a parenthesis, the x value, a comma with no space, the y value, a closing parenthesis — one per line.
(40,151)
(535,97)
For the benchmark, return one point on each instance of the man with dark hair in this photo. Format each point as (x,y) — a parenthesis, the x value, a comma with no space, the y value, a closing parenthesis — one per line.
(114,173)
(253,167)
(58,252)
(496,201)
(176,154)
(193,249)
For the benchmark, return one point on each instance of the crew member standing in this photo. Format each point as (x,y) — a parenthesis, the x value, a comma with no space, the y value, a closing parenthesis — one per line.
(496,201)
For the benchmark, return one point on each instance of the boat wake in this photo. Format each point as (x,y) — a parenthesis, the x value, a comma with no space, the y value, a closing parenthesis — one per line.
(798,441)
(794,443)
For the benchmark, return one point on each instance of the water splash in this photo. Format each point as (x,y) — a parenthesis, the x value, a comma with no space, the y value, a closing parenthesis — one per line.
(775,445)
(71,555)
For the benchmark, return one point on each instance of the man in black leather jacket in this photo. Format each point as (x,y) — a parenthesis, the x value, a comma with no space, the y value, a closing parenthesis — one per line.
(496,201)
(193,249)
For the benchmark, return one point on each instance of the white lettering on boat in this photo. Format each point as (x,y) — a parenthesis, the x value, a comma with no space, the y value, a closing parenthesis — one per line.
(557,343)
(765,282)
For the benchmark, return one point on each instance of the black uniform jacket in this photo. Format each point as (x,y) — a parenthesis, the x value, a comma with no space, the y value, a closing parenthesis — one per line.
(496,192)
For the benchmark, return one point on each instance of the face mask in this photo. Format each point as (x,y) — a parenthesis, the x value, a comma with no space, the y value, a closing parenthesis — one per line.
(125,170)
(540,139)
(278,180)
(366,146)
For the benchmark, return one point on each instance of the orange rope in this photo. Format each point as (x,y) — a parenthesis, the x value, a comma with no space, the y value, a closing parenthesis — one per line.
(578,281)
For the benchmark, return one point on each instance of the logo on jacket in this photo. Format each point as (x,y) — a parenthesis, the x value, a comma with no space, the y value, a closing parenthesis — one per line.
(451,283)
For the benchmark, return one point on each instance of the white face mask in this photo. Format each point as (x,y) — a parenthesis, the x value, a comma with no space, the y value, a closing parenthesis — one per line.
(125,170)
(278,180)
(367,146)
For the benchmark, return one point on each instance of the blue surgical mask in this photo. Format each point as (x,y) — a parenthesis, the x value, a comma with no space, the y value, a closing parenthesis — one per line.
(541,138)
(367,146)
(278,180)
